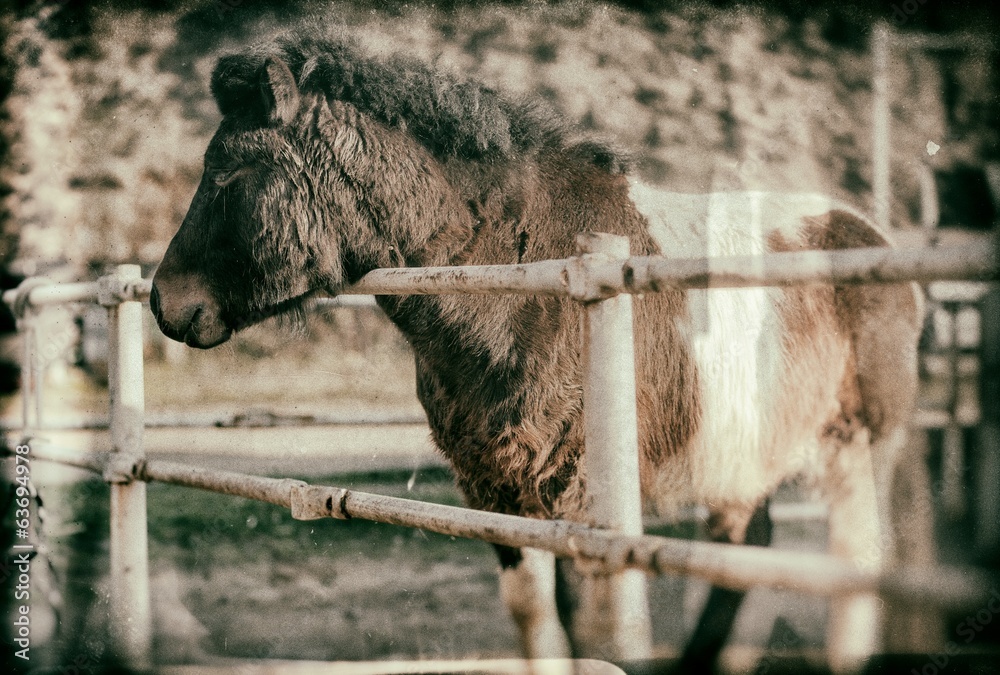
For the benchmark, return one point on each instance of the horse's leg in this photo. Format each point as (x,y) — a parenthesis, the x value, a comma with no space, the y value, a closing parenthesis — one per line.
(861,531)
(857,536)
(588,602)
(885,324)
(528,588)
(736,526)
(913,627)
(569,591)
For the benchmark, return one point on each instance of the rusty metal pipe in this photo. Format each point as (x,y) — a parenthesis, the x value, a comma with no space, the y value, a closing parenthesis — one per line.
(539,278)
(272,490)
(849,266)
(740,567)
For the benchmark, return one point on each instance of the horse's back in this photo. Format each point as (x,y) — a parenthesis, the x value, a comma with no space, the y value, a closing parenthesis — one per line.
(774,367)
(686,225)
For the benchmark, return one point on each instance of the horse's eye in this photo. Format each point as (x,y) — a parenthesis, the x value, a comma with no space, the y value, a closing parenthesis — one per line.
(225,177)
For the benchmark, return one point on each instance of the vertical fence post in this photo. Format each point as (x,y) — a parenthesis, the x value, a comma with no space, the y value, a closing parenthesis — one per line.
(131,629)
(987,489)
(616,610)
(29,355)
(881,119)
(953,494)
(38,376)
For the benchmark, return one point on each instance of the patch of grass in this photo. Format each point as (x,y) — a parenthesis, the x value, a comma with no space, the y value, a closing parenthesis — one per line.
(329,589)
(195,528)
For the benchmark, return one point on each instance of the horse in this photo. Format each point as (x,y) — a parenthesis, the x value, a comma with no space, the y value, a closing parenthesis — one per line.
(329,163)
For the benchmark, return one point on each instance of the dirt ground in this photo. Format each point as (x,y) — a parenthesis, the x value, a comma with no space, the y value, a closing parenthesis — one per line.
(235,579)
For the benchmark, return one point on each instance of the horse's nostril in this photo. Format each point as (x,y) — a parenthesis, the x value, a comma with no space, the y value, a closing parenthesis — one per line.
(154,302)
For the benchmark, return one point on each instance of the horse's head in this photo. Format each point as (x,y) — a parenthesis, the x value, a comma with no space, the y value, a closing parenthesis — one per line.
(328,164)
(245,250)
(301,194)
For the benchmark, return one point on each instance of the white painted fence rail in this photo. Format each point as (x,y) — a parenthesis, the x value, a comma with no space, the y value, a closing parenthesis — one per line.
(252,419)
(594,278)
(588,279)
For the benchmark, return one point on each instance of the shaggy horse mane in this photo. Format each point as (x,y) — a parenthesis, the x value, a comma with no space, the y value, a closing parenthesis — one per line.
(450,116)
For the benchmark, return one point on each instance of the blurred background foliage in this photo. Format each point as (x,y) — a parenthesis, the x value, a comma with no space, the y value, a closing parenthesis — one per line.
(107,110)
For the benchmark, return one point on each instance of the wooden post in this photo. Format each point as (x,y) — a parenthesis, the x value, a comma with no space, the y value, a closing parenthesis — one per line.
(616,611)
(130,620)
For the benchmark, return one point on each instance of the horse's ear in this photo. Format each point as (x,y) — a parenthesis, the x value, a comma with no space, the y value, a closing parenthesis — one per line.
(281,94)
(235,82)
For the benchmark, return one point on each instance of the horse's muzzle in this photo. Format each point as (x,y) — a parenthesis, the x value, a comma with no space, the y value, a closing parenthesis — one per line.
(186,312)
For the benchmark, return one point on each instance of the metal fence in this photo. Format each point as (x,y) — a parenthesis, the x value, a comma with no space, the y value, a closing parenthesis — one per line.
(603,277)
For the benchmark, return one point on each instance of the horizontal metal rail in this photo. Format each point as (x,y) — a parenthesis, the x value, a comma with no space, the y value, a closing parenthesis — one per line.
(89,460)
(781,512)
(922,419)
(591,277)
(55,293)
(44,294)
(969,41)
(739,567)
(263,419)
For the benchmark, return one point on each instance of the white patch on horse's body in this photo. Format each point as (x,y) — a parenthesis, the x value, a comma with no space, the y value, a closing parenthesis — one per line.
(744,446)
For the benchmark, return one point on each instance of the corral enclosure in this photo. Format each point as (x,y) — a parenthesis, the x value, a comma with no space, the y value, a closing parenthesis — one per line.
(107,119)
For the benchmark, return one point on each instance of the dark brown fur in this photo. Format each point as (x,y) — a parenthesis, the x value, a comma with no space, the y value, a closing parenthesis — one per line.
(500,377)
(335,171)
